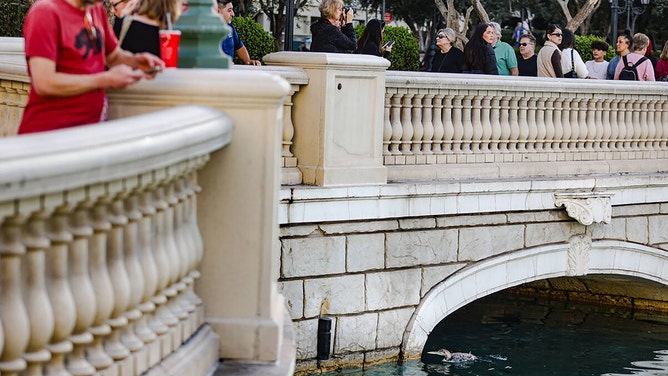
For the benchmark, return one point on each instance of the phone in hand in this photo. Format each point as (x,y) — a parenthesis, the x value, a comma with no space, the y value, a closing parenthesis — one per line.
(389,44)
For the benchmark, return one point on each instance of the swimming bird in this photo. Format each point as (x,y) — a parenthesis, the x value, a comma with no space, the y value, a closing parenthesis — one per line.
(454,357)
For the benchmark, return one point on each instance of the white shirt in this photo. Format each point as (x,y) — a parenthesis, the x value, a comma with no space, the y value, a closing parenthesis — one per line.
(580,67)
(597,69)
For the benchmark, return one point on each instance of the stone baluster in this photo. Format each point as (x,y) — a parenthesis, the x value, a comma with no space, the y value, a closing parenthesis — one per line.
(387,125)
(406,124)
(83,291)
(504,121)
(558,126)
(494,117)
(485,123)
(467,123)
(289,159)
(587,124)
(548,123)
(185,244)
(457,109)
(664,122)
(437,121)
(150,272)
(636,123)
(609,120)
(161,254)
(596,113)
(523,124)
(622,124)
(416,122)
(13,313)
(136,320)
(427,123)
(572,125)
(192,189)
(60,293)
(448,126)
(397,129)
(513,121)
(114,345)
(476,123)
(655,130)
(40,311)
(104,292)
(537,130)
(644,123)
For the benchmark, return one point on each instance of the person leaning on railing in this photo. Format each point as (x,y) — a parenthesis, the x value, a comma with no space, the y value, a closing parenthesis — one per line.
(333,31)
(67,43)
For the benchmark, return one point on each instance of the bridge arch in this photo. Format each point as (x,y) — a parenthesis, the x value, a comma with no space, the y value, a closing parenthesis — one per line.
(581,256)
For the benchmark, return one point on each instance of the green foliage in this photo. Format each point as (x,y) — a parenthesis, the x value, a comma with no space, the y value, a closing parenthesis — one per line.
(583,46)
(12,14)
(257,41)
(405,55)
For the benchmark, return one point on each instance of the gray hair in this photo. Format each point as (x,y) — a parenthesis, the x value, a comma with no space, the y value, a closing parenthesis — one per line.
(497,27)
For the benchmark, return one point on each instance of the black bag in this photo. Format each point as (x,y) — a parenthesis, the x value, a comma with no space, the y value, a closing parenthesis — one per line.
(571,73)
(629,71)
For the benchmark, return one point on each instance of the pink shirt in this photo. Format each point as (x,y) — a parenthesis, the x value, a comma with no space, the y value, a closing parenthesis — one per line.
(645,70)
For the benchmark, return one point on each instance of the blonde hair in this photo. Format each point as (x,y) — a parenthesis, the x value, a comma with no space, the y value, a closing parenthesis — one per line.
(158,10)
(664,52)
(640,41)
(328,8)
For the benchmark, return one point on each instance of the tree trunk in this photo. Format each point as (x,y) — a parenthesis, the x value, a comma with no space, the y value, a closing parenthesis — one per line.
(563,4)
(480,9)
(589,7)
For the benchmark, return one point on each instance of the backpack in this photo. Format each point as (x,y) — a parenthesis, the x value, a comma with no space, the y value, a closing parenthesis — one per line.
(629,71)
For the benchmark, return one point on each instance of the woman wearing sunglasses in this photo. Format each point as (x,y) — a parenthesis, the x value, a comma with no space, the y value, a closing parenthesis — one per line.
(448,58)
(549,57)
(68,46)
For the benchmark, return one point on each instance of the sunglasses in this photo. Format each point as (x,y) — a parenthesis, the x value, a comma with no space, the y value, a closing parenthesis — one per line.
(524,44)
(557,34)
(440,36)
(88,25)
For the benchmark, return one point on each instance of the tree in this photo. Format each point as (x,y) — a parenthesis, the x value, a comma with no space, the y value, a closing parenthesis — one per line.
(275,11)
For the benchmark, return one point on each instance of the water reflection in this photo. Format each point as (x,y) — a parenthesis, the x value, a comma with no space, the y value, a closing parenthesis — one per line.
(529,337)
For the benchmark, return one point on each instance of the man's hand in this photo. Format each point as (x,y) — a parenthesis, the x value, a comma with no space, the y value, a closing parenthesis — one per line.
(253,62)
(149,64)
(121,76)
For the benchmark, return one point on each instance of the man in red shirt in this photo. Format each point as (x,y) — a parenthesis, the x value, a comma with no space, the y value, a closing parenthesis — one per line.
(68,45)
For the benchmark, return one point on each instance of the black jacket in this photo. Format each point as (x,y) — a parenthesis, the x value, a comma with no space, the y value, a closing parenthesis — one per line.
(328,38)
(450,62)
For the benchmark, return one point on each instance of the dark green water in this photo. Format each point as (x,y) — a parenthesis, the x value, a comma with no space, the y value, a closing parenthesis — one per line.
(513,336)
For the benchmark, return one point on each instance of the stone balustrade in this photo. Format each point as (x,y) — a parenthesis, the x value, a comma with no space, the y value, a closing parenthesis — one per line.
(99,243)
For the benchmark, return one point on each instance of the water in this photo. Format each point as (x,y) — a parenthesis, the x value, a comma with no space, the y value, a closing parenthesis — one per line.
(513,336)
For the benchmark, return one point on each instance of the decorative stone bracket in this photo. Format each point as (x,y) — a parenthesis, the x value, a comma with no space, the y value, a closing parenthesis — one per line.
(586,207)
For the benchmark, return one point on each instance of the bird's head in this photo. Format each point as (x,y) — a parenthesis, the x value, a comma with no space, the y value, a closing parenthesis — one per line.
(442,352)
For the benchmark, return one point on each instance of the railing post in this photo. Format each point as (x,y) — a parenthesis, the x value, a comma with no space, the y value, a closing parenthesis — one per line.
(338,141)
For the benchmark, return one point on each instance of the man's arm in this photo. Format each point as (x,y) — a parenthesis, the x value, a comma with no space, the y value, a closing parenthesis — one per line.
(514,71)
(245,56)
(48,82)
(144,60)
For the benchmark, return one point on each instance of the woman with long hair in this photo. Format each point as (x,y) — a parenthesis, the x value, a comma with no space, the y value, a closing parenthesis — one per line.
(371,39)
(571,61)
(478,53)
(448,58)
(549,57)
(662,64)
(333,31)
(139,29)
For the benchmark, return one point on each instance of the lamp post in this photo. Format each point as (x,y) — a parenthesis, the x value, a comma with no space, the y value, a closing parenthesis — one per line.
(628,8)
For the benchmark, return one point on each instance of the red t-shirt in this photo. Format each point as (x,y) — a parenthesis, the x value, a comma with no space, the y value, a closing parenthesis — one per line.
(54,30)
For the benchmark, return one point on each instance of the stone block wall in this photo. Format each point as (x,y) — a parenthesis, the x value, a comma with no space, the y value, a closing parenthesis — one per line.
(370,276)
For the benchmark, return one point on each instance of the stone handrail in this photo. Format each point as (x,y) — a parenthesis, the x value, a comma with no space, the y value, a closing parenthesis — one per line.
(14,84)
(99,242)
(449,119)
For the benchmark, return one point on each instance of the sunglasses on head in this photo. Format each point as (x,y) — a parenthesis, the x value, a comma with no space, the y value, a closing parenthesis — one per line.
(440,36)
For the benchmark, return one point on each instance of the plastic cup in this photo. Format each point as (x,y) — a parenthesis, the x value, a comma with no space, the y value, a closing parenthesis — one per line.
(169,47)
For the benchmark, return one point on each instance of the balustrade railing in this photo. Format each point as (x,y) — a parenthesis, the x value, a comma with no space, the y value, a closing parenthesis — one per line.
(99,243)
(461,119)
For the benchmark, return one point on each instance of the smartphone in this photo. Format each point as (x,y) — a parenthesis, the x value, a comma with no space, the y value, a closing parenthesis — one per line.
(389,44)
(156,68)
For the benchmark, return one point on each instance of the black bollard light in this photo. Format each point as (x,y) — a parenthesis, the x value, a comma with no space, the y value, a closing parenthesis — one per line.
(324,337)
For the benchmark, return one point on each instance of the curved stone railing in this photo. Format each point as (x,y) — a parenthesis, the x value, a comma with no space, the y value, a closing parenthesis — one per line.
(465,119)
(14,84)
(99,242)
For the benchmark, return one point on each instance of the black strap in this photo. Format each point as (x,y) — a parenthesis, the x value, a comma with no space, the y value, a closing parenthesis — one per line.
(573,64)
(640,61)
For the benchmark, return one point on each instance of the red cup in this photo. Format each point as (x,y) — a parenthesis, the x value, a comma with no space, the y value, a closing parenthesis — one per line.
(169,47)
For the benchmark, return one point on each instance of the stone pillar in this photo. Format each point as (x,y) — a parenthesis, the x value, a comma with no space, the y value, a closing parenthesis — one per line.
(338,117)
